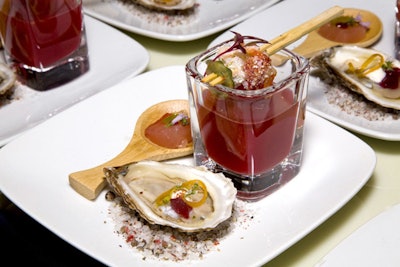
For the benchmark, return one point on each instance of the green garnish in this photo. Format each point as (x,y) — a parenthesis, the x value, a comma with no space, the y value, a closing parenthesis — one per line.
(220,69)
(175,118)
(388,65)
(349,21)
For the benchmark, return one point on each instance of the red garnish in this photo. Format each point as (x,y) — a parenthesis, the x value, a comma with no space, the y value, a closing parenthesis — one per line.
(180,207)
(129,238)
(238,43)
(259,71)
(391,79)
(345,22)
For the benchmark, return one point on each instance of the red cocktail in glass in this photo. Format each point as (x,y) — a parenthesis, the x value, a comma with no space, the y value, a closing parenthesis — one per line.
(39,36)
(254,136)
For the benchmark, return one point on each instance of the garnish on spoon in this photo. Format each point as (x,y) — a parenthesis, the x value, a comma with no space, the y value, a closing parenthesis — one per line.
(172,130)
(345,29)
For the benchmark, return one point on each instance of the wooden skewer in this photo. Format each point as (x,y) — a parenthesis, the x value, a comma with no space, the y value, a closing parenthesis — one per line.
(290,36)
(296,33)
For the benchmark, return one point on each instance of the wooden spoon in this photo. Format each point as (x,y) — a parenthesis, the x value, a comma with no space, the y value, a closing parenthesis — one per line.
(90,182)
(315,43)
(299,31)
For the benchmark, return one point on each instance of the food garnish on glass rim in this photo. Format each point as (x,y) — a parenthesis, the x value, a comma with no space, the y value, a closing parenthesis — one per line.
(240,57)
(241,66)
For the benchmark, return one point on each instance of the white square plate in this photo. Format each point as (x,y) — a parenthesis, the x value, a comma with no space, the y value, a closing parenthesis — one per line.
(34,175)
(377,243)
(110,63)
(210,16)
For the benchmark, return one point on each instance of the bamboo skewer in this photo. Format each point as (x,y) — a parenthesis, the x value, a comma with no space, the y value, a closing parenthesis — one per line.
(289,37)
(297,32)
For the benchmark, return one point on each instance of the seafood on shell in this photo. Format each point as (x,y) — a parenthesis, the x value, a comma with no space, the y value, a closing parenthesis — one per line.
(359,70)
(140,184)
(7,80)
(167,4)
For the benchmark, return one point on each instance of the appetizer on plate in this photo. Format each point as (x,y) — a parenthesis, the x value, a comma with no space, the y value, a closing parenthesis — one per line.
(166,4)
(366,71)
(183,197)
(7,81)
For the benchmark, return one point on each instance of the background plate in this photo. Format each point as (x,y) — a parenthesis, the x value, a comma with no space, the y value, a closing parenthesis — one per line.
(377,243)
(110,63)
(387,129)
(35,167)
(210,16)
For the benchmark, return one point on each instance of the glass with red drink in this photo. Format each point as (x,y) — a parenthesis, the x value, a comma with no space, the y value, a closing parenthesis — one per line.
(44,40)
(253,135)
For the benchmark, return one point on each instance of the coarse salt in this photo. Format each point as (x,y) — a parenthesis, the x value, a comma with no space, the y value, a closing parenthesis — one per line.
(168,244)
(356,104)
(156,18)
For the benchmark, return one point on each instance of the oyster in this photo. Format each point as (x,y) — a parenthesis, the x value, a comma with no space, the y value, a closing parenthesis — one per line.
(167,4)
(153,190)
(7,80)
(361,70)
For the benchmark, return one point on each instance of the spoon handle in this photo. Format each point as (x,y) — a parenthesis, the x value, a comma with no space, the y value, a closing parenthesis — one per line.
(89,183)
(312,45)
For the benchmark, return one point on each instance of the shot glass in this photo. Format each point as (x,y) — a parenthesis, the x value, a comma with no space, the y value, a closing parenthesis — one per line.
(44,41)
(255,137)
(397,30)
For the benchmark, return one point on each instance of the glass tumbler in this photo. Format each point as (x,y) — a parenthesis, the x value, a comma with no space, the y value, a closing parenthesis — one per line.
(44,41)
(255,137)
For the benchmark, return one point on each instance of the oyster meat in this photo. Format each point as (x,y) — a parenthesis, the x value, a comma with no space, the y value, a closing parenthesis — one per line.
(165,193)
(167,4)
(362,70)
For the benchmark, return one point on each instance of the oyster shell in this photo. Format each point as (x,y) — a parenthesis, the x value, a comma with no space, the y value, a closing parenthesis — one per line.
(141,183)
(7,80)
(334,63)
(167,4)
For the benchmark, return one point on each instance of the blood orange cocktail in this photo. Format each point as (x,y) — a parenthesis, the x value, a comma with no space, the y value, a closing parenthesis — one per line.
(39,34)
(248,135)
(247,115)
